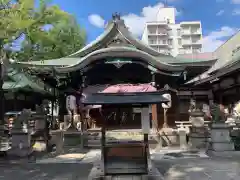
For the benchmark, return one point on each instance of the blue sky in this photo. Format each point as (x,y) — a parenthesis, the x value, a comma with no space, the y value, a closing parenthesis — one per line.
(220,18)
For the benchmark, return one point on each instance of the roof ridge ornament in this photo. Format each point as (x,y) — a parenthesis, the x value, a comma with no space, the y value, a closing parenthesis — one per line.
(116,16)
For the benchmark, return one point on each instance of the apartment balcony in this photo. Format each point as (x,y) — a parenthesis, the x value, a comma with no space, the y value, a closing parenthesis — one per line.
(190,24)
(191,43)
(160,49)
(158,43)
(197,43)
(191,33)
(158,33)
(197,32)
(157,23)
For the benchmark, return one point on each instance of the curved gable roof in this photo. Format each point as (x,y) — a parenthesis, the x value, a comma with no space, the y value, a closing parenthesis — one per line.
(113,29)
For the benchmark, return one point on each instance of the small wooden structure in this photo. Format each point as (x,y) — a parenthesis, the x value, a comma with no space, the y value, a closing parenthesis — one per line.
(121,157)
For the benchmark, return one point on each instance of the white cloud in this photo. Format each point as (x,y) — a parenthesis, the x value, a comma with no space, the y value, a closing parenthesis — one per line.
(219,13)
(135,22)
(236,12)
(236,1)
(96,20)
(216,38)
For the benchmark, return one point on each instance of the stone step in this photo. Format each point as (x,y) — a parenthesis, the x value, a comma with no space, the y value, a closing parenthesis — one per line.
(93,144)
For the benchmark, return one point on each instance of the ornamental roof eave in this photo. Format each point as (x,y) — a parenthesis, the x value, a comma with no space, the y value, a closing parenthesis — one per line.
(47,65)
(123,52)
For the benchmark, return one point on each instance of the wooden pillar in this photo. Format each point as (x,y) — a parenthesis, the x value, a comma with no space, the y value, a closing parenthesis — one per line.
(177,113)
(103,144)
(237,89)
(54,96)
(220,94)
(154,117)
(210,97)
(145,124)
(155,125)
(15,101)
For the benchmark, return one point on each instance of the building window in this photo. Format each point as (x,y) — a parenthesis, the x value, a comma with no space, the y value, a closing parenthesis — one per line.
(152,41)
(170,33)
(170,42)
(187,48)
(195,30)
(179,32)
(152,30)
(196,50)
(164,41)
(179,42)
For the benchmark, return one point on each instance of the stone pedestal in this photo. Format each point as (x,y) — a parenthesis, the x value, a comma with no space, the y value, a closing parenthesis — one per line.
(72,139)
(198,137)
(182,138)
(57,140)
(220,139)
(20,144)
(198,132)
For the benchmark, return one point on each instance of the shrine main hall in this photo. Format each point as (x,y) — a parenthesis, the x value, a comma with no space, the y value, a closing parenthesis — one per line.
(117,62)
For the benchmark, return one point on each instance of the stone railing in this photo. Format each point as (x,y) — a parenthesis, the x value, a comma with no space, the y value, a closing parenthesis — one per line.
(188,124)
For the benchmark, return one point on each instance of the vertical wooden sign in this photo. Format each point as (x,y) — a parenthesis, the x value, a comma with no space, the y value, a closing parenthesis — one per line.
(145,120)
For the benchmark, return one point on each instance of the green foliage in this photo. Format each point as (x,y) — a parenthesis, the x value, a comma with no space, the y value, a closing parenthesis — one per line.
(23,19)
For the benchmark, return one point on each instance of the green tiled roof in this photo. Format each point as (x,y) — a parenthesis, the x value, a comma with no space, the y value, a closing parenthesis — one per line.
(8,85)
(21,80)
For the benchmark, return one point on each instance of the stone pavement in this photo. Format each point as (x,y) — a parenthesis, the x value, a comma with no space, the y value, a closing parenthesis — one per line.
(199,169)
(172,165)
(32,171)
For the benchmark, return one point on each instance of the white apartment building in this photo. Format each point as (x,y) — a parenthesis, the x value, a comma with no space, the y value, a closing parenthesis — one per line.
(165,36)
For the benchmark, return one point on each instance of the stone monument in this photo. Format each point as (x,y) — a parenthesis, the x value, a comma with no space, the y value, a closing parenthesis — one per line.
(20,135)
(220,143)
(198,132)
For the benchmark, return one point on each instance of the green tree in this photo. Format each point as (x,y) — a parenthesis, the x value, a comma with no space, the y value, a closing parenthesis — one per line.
(22,19)
(54,41)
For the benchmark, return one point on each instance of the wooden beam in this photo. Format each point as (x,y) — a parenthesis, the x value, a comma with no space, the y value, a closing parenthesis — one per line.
(190,93)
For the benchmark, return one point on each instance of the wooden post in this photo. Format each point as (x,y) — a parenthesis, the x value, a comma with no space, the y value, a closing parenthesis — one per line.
(177,113)
(154,117)
(145,121)
(103,143)
(154,106)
